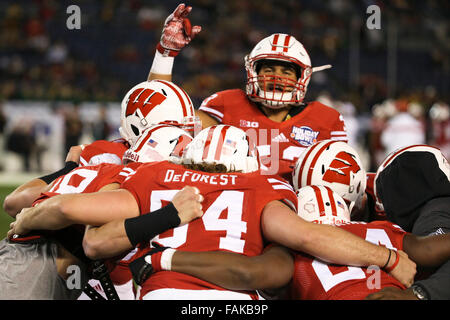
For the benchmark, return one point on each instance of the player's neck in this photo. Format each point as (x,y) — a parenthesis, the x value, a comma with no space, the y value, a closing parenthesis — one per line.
(277,115)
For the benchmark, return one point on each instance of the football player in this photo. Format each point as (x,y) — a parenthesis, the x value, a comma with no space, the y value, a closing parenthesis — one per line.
(54,251)
(312,278)
(271,109)
(242,209)
(412,189)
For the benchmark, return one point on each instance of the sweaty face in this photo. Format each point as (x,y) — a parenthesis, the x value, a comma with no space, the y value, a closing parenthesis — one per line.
(277,76)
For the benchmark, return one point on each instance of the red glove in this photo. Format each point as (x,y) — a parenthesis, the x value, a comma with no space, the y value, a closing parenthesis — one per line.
(177,32)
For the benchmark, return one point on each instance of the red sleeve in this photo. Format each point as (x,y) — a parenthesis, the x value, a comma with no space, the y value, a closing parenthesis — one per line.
(338,130)
(102,151)
(138,182)
(214,106)
(281,190)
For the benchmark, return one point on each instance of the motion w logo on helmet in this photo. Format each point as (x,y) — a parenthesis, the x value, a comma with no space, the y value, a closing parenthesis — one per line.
(144,100)
(340,168)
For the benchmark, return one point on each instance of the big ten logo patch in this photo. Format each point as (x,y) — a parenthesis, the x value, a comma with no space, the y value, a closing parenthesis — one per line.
(248,124)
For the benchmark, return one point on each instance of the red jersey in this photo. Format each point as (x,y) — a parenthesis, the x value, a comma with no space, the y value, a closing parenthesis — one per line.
(102,151)
(233,204)
(92,179)
(317,280)
(279,143)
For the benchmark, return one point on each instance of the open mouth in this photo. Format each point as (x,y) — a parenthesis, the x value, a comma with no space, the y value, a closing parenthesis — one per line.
(275,87)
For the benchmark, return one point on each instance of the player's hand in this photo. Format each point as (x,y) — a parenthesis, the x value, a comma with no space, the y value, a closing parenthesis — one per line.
(142,268)
(188,204)
(19,225)
(177,31)
(75,153)
(405,270)
(392,293)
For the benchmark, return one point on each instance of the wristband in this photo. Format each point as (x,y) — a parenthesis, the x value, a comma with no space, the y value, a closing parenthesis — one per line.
(162,64)
(389,258)
(70,165)
(162,261)
(147,226)
(397,259)
(166,259)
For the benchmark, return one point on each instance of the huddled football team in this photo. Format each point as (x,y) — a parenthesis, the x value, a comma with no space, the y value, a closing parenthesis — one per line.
(254,195)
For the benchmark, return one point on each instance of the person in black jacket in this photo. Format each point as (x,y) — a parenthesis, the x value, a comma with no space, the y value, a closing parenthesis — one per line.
(413,187)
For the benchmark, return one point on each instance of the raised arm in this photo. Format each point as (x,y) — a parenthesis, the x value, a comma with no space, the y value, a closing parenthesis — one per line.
(281,225)
(176,34)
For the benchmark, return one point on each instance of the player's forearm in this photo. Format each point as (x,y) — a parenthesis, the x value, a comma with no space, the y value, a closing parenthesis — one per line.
(234,271)
(107,241)
(283,226)
(339,246)
(158,76)
(430,251)
(23,196)
(161,68)
(47,215)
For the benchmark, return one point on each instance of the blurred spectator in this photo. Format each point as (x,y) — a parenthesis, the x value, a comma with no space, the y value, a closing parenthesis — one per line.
(402,129)
(2,136)
(21,141)
(440,118)
(101,129)
(73,128)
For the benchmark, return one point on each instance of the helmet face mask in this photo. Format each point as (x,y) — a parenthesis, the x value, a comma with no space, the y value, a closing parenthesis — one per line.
(153,102)
(282,49)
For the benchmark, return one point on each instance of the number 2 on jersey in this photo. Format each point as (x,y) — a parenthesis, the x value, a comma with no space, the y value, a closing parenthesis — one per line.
(329,280)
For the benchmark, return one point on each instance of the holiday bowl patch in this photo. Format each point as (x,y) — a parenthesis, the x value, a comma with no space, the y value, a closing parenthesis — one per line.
(304,135)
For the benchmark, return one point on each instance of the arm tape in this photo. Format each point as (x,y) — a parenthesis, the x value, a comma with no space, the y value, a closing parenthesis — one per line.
(147,226)
(70,165)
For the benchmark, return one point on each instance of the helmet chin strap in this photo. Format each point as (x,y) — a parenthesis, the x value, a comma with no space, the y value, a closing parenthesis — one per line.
(320,68)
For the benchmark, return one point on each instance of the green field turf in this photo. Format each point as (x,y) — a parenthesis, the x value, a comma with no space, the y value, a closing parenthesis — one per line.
(5,220)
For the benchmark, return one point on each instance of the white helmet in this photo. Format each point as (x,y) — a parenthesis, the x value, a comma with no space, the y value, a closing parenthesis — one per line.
(285,48)
(319,204)
(157,143)
(333,164)
(153,102)
(442,162)
(223,144)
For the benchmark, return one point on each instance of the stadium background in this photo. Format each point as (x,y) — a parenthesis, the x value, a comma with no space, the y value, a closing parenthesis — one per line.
(60,86)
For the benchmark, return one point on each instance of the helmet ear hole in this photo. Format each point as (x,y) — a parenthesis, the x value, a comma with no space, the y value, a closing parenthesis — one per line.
(135,130)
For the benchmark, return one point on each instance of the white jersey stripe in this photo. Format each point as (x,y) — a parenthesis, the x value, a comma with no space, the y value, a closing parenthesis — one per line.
(209,110)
